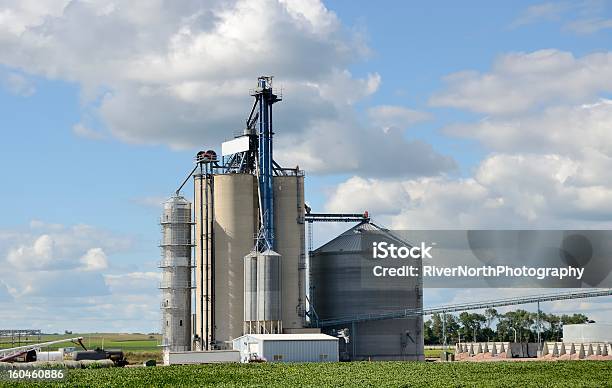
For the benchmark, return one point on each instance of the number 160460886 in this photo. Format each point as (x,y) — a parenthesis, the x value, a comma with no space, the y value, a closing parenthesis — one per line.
(35,374)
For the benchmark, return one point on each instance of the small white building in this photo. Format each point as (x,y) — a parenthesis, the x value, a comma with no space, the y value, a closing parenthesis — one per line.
(588,332)
(287,347)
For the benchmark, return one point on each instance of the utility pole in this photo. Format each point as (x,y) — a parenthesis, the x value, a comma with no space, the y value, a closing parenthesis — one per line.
(538,324)
(444,331)
(514,334)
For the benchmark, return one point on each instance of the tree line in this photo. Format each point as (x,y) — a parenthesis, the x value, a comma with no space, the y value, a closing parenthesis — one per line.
(493,326)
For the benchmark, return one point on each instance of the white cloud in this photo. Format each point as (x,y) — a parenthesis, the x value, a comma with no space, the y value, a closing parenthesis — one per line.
(507,191)
(541,12)
(94,260)
(581,17)
(16,18)
(589,26)
(521,82)
(58,277)
(56,284)
(146,282)
(570,130)
(37,255)
(348,145)
(48,247)
(185,83)
(390,117)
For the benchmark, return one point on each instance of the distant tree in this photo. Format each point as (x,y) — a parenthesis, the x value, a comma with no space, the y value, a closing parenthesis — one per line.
(452,328)
(491,314)
(521,320)
(488,334)
(472,324)
(551,330)
(574,319)
(428,336)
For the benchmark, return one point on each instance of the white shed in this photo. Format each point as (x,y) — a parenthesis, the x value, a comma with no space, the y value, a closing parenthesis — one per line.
(287,347)
(588,332)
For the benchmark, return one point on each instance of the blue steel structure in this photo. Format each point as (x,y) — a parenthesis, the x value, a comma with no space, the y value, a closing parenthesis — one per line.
(257,160)
(265,98)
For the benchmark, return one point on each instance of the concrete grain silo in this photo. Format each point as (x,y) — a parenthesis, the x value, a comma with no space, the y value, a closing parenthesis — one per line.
(249,215)
(226,221)
(226,216)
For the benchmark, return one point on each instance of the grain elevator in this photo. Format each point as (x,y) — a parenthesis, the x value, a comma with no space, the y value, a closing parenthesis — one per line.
(247,251)
(249,236)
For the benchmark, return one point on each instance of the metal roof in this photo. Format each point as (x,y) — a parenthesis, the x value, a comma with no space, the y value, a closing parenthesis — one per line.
(350,241)
(290,337)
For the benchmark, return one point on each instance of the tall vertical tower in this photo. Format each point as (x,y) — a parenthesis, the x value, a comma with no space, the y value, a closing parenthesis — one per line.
(176,274)
(249,235)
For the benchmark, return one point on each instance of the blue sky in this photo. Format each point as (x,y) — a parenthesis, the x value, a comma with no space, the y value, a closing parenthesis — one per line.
(104,104)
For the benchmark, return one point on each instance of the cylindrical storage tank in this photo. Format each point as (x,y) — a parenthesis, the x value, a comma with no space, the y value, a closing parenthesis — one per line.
(262,293)
(269,286)
(176,274)
(42,355)
(250,287)
(232,226)
(290,241)
(343,286)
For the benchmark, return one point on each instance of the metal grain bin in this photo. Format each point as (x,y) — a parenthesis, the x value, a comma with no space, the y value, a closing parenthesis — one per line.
(176,274)
(341,287)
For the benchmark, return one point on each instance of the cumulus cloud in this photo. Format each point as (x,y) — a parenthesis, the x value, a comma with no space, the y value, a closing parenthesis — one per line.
(570,130)
(37,255)
(348,145)
(507,191)
(390,117)
(58,277)
(94,260)
(521,82)
(186,82)
(46,247)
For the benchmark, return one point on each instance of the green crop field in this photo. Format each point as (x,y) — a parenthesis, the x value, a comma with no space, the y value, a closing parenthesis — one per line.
(126,342)
(373,374)
(435,353)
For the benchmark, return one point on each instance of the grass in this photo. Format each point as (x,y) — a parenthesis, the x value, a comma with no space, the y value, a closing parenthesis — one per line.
(137,347)
(373,374)
(435,353)
(126,342)
(139,357)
